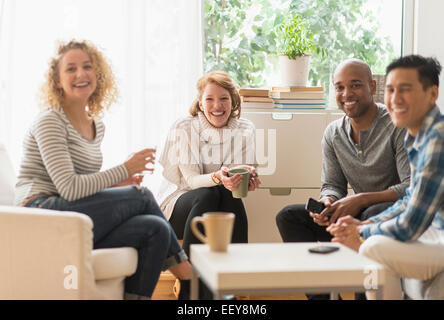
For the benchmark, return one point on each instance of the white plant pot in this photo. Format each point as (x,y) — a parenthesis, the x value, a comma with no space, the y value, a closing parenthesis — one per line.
(294,72)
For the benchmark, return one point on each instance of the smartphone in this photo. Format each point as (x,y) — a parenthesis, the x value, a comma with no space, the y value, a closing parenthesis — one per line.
(315,206)
(323,249)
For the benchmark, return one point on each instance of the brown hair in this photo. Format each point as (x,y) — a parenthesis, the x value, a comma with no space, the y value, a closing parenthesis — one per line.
(106,92)
(223,80)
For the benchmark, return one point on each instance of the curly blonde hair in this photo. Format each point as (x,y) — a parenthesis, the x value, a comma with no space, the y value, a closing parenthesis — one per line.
(106,93)
(222,79)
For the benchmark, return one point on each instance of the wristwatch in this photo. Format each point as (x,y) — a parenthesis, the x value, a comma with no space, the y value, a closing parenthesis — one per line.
(361,236)
(215,179)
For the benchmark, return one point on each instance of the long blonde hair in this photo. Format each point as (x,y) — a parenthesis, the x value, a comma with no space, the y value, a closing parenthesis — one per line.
(106,92)
(222,79)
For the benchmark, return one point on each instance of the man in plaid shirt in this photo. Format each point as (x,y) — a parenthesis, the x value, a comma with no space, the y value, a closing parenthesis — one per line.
(408,237)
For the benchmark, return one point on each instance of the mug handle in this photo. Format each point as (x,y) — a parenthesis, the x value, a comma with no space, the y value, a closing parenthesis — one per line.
(196,231)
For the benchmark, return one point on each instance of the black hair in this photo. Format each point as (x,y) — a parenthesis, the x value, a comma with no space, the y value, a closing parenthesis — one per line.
(428,68)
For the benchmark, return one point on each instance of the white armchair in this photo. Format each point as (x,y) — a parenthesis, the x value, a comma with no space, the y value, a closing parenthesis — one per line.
(47,254)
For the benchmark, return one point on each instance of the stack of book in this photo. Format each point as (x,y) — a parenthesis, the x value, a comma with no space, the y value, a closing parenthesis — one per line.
(297,97)
(255,98)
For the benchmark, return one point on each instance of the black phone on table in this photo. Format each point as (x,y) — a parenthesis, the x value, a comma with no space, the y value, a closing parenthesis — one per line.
(323,249)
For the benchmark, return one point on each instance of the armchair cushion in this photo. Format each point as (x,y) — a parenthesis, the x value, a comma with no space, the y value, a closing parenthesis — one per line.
(113,263)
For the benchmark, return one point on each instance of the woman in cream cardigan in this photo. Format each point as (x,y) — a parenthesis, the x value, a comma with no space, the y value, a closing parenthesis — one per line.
(199,151)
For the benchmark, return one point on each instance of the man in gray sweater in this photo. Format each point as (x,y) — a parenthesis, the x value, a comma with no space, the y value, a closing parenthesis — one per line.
(363,150)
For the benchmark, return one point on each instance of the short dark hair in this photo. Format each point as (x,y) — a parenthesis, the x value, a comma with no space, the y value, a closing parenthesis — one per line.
(428,68)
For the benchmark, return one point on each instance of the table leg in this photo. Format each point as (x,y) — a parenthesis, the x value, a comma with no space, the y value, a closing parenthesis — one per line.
(379,293)
(194,287)
(217,295)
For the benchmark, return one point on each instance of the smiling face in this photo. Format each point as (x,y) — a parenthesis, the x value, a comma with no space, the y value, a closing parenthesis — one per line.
(77,76)
(354,89)
(216,105)
(406,99)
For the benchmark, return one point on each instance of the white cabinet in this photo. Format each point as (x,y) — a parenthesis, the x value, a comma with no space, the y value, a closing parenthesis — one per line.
(290,164)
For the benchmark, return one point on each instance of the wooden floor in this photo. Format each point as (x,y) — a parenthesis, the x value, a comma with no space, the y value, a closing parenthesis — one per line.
(166,286)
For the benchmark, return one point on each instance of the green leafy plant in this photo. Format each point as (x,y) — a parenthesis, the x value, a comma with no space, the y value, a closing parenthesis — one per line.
(295,38)
(246,49)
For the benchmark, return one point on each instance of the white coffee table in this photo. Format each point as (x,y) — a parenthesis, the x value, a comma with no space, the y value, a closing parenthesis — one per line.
(279,268)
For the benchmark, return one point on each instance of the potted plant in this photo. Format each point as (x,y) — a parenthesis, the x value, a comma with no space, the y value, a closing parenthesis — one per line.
(295,46)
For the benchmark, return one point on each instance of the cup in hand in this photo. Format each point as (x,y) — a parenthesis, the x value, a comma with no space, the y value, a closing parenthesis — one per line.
(150,166)
(218,228)
(242,190)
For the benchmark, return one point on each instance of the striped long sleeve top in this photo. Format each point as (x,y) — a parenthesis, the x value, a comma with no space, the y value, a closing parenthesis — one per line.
(423,205)
(57,160)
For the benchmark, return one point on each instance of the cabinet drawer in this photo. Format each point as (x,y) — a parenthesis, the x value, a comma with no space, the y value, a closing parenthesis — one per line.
(262,206)
(290,152)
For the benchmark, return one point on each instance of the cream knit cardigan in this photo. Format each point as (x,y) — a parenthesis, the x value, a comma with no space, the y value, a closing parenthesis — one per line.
(194,149)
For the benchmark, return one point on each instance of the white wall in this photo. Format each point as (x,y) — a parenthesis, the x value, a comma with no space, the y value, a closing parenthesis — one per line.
(428,34)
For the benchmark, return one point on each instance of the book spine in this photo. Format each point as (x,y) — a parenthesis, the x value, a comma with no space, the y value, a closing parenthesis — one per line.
(295,95)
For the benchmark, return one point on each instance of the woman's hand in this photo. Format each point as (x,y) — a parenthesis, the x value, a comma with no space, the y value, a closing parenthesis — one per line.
(254,182)
(138,161)
(231,183)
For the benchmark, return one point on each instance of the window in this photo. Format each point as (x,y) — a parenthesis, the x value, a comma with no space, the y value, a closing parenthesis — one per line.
(239,36)
(154,48)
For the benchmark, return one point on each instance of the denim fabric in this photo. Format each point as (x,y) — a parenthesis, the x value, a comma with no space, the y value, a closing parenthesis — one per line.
(127,217)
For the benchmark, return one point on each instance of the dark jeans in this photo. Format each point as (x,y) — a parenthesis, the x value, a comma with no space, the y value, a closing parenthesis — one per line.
(296,225)
(127,217)
(207,199)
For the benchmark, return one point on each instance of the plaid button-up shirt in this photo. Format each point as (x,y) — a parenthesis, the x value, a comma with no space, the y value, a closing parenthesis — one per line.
(423,205)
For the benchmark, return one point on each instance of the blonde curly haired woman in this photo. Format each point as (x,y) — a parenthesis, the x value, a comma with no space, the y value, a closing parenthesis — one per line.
(60,168)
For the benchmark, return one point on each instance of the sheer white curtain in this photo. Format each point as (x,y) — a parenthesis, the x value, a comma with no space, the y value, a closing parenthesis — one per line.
(154,47)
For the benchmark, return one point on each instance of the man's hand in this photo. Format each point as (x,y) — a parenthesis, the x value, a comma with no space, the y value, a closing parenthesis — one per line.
(348,206)
(321,218)
(346,231)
